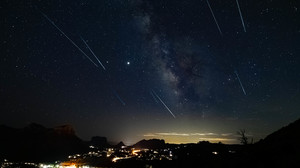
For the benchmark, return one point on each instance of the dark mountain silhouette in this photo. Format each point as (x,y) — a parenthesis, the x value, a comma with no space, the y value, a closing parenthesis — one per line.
(120,144)
(287,135)
(150,144)
(99,142)
(38,143)
(281,148)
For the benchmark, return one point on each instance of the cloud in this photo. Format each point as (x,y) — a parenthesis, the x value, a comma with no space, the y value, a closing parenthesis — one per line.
(180,134)
(204,134)
(227,134)
(172,134)
(149,135)
(194,137)
(227,140)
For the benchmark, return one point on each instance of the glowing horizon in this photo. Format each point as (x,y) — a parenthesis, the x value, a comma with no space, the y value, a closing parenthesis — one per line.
(182,138)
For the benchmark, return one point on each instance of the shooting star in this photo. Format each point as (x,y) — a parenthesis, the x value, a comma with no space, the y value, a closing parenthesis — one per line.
(153,97)
(237,75)
(163,103)
(45,16)
(92,52)
(118,97)
(238,5)
(214,17)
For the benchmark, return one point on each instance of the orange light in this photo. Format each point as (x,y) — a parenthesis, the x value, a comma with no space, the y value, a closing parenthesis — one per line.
(134,152)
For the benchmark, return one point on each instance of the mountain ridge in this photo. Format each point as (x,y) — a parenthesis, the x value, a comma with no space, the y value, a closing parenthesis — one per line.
(38,143)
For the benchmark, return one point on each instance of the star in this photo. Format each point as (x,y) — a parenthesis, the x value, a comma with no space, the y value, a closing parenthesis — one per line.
(197,71)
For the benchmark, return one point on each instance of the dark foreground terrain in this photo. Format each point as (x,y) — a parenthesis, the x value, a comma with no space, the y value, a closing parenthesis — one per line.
(37,144)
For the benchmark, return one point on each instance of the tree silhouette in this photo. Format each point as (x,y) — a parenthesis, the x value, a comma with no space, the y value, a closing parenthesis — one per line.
(242,136)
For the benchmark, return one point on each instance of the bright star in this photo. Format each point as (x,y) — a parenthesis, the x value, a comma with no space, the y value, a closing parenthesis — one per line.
(128,63)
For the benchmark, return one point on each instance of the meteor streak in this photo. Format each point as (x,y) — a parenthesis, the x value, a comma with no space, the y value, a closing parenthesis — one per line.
(214,17)
(45,16)
(237,2)
(163,103)
(237,75)
(118,97)
(92,52)
(153,97)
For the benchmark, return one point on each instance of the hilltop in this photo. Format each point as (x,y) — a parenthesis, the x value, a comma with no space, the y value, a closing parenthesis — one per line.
(38,143)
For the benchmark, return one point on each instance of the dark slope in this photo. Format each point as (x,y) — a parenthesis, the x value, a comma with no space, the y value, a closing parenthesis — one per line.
(287,135)
(150,144)
(281,148)
(38,143)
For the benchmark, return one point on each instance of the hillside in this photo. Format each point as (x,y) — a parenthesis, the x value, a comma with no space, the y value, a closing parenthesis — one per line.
(281,148)
(38,143)
(286,135)
(150,144)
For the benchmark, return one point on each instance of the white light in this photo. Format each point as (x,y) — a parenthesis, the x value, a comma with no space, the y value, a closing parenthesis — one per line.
(128,63)
(46,166)
(72,166)
(115,159)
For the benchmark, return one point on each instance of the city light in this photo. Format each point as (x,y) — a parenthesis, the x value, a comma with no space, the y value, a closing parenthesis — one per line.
(115,159)
(135,152)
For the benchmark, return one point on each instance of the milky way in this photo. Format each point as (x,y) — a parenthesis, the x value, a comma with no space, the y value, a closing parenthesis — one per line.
(217,67)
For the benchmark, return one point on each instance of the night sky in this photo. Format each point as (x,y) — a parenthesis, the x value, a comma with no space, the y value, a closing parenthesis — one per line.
(170,70)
